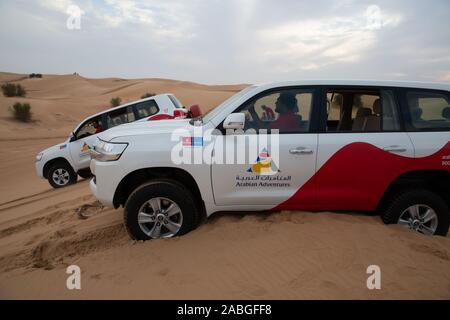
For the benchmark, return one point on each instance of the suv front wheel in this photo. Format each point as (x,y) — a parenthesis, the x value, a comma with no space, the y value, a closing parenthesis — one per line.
(420,210)
(160,209)
(60,175)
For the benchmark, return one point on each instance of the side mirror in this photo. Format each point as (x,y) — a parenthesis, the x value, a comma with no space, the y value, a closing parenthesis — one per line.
(234,121)
(72,137)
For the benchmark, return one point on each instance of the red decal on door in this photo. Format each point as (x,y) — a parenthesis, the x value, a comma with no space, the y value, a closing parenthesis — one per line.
(356,177)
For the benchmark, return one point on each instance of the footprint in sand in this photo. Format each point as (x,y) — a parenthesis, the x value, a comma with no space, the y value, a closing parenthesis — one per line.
(163,272)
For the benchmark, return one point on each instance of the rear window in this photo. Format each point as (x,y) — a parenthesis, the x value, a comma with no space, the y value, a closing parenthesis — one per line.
(428,110)
(146,109)
(118,117)
(175,101)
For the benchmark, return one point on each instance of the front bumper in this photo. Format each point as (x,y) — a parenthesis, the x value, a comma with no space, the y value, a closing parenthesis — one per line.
(107,176)
(39,165)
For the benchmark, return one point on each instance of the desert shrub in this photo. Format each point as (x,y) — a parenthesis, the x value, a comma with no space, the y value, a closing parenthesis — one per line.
(115,102)
(13,90)
(35,75)
(9,90)
(21,111)
(148,95)
(20,91)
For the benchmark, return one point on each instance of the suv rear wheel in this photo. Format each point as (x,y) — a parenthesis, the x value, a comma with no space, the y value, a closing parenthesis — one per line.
(61,174)
(421,210)
(160,209)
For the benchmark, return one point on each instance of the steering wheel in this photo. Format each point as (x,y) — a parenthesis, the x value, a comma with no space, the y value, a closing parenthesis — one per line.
(256,123)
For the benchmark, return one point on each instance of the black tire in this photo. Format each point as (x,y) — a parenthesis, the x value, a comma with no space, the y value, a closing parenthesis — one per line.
(72,176)
(85,173)
(162,188)
(403,200)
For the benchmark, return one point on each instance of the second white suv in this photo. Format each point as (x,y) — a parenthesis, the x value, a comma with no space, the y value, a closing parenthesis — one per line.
(307,145)
(62,163)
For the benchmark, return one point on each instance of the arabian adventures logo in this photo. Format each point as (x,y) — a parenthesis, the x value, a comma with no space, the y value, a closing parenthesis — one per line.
(264,165)
(266,174)
(85,148)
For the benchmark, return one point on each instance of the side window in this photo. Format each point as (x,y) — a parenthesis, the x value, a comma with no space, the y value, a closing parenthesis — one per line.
(118,117)
(146,109)
(287,110)
(361,111)
(90,127)
(428,110)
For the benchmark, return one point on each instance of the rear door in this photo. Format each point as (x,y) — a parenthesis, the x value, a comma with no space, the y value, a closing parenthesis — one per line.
(362,147)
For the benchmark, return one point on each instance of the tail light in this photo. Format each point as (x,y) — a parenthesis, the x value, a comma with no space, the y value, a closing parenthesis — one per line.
(179,114)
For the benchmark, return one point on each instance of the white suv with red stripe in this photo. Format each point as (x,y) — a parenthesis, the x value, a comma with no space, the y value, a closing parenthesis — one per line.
(306,145)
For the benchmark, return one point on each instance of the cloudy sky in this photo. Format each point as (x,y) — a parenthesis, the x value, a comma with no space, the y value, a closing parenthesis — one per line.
(228,41)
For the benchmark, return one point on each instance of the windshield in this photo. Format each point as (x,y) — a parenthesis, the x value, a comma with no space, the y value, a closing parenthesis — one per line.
(214,111)
(175,101)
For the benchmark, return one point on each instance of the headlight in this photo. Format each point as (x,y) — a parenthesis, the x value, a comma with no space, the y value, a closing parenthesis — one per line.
(108,151)
(39,156)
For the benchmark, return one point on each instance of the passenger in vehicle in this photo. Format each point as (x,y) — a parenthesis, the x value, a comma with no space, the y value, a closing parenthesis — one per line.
(287,108)
(360,121)
(117,122)
(97,126)
(415,110)
(373,122)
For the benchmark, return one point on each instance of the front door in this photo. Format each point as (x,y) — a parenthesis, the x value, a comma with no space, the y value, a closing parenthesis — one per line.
(267,170)
(85,137)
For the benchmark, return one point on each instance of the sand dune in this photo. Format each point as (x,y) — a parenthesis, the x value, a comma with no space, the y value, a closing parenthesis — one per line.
(287,255)
(59,103)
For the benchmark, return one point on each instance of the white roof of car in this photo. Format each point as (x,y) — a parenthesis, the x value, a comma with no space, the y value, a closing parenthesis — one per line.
(127,104)
(121,106)
(366,83)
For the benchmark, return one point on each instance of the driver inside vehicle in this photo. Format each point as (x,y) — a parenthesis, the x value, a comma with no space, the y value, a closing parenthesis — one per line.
(287,108)
(89,128)
(97,126)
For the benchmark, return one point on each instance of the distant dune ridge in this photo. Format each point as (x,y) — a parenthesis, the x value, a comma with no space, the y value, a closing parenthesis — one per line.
(283,255)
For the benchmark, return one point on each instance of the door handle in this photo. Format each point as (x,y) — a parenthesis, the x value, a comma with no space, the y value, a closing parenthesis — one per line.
(300,150)
(394,148)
